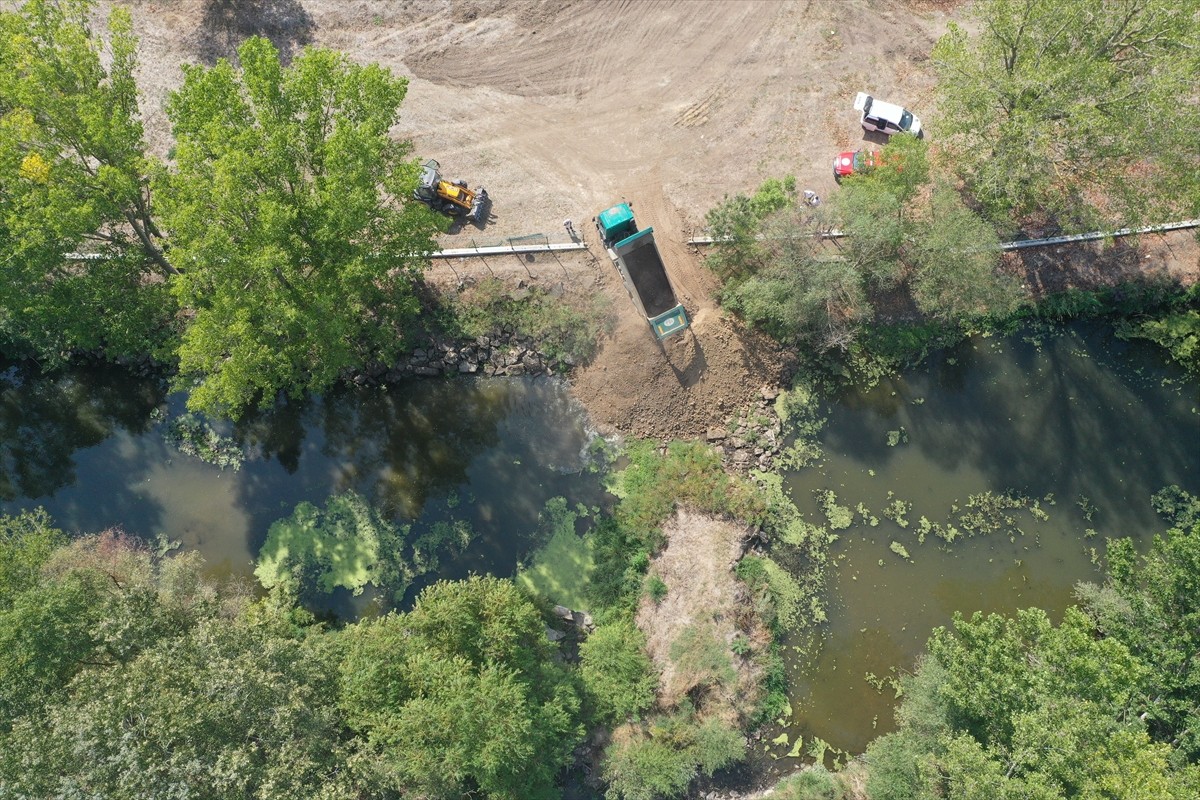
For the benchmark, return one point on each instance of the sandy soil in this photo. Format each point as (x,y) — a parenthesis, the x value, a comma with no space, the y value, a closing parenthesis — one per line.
(564,107)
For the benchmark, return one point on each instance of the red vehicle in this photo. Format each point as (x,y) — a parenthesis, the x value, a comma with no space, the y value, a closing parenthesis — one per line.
(855,161)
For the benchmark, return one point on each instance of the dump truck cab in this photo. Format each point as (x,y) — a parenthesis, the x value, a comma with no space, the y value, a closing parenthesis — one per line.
(615,224)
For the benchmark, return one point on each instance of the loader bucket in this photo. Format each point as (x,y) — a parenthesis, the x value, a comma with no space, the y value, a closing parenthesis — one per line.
(481,207)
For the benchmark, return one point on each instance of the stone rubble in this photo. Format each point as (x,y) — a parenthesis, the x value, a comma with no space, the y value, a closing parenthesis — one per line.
(498,355)
(751,438)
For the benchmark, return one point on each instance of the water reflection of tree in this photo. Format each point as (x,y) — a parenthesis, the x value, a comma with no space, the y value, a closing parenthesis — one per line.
(398,447)
(401,447)
(1078,414)
(45,419)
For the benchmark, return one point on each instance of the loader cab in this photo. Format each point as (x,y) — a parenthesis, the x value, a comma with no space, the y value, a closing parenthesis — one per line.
(426,190)
(615,224)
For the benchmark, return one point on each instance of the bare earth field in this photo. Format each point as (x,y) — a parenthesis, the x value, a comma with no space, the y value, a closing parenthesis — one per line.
(564,107)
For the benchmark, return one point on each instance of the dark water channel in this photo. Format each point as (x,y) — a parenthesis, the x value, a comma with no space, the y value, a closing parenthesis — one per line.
(1086,425)
(1083,423)
(88,445)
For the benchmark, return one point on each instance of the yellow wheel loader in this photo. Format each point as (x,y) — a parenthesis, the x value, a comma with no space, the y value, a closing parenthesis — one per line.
(451,197)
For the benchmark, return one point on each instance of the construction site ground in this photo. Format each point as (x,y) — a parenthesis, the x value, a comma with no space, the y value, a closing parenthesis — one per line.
(561,108)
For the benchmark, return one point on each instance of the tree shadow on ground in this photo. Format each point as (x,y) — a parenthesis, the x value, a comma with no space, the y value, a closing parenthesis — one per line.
(228,23)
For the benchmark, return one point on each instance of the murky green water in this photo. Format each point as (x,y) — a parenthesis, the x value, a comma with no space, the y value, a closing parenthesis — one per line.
(1081,422)
(88,445)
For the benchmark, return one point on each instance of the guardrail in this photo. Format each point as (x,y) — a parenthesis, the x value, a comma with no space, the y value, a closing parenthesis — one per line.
(501,250)
(516,245)
(540,242)
(1020,244)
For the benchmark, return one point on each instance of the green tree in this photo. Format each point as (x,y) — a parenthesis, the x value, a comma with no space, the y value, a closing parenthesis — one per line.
(91,604)
(290,217)
(26,542)
(802,292)
(462,694)
(1070,106)
(734,224)
(236,708)
(955,256)
(1018,708)
(1152,604)
(74,176)
(617,675)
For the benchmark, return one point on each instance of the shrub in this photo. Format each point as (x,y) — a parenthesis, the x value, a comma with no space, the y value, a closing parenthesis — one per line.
(618,678)
(659,761)
(814,783)
(656,587)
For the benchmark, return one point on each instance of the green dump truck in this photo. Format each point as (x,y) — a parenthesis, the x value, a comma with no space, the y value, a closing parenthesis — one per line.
(636,257)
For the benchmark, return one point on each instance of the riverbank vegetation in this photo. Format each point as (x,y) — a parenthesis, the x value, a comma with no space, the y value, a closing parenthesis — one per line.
(464,692)
(1102,704)
(277,250)
(113,652)
(1096,147)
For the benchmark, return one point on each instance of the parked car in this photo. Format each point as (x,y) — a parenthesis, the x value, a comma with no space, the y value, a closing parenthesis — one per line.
(887,118)
(855,161)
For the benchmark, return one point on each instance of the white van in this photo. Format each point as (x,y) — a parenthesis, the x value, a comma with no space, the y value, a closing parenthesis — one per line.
(885,117)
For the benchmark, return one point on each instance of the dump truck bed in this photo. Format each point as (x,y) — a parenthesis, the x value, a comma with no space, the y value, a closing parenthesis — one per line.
(645,268)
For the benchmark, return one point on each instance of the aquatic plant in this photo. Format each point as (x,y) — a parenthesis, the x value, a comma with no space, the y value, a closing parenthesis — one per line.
(987,512)
(561,569)
(348,544)
(194,437)
(866,515)
(839,517)
(799,410)
(443,536)
(896,510)
(1086,506)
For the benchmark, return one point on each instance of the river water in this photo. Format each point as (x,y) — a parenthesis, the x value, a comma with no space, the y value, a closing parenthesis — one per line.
(1085,424)
(88,445)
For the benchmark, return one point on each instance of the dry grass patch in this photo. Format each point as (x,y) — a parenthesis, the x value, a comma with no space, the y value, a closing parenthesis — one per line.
(691,632)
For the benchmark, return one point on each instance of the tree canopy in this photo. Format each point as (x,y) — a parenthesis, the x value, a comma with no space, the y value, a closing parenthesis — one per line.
(1102,705)
(288,223)
(904,233)
(74,176)
(460,694)
(1079,108)
(282,224)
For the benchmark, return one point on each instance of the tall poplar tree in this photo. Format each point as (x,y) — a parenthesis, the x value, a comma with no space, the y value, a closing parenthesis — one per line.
(73,177)
(290,220)
(1082,108)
